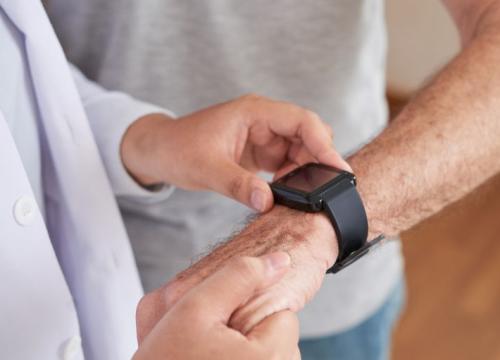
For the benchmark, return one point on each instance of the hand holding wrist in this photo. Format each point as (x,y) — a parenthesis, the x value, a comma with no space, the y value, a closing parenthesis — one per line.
(313,248)
(310,241)
(198,324)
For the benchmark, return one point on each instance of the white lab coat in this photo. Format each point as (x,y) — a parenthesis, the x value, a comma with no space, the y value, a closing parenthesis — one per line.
(74,276)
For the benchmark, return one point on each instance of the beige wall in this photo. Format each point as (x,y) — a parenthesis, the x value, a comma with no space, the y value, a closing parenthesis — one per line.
(422,38)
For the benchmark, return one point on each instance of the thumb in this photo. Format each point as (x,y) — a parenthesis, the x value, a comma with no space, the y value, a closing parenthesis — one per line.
(235,284)
(242,185)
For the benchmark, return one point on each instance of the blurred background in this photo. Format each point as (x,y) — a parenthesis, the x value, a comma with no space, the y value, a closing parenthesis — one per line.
(452,259)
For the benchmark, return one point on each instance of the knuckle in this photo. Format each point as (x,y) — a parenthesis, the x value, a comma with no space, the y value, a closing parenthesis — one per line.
(147,301)
(312,116)
(171,294)
(149,304)
(251,97)
(250,101)
(242,105)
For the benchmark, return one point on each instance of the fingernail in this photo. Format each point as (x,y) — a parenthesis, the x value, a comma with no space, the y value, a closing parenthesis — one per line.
(278,260)
(258,200)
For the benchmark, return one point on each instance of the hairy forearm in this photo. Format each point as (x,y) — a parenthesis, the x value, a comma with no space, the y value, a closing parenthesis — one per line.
(281,229)
(310,241)
(443,144)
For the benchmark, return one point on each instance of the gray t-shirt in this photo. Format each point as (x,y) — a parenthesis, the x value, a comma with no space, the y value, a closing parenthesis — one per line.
(325,55)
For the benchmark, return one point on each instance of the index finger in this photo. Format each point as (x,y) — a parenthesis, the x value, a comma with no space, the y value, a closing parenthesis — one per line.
(292,121)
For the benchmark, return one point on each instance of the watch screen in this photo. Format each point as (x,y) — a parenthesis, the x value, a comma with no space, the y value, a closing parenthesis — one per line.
(309,177)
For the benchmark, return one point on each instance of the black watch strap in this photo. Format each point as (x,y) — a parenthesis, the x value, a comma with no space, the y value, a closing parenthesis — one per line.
(345,209)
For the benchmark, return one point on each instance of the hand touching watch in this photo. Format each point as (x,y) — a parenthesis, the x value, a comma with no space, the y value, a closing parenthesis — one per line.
(221,148)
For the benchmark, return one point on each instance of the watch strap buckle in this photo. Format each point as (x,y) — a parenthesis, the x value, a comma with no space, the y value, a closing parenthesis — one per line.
(356,255)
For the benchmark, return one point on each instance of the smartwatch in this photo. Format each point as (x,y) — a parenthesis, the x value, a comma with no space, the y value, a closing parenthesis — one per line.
(320,188)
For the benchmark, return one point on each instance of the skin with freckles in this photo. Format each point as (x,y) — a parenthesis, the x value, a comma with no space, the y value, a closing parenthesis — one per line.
(443,145)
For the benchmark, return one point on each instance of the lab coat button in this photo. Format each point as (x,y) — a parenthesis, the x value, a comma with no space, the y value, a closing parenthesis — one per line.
(24,210)
(72,348)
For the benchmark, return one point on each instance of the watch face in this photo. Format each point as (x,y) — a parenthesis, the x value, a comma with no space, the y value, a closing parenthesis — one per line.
(309,177)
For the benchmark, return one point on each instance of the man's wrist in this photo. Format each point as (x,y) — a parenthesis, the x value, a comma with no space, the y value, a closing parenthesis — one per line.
(365,185)
(325,239)
(309,239)
(139,148)
(281,229)
(295,230)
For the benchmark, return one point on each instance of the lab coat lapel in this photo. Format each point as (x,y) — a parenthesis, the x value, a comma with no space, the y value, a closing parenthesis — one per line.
(82,215)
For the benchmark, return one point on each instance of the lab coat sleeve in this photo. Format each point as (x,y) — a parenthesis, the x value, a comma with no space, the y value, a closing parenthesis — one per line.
(110,113)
